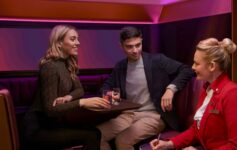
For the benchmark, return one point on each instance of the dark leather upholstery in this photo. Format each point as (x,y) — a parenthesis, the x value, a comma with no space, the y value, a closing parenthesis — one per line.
(9,139)
(186,101)
(23,89)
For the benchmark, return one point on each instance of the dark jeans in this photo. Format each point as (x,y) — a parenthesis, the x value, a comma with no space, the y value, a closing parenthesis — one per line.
(60,138)
(44,133)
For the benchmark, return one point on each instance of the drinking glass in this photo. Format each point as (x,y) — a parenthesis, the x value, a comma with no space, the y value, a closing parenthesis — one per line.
(107,94)
(116,96)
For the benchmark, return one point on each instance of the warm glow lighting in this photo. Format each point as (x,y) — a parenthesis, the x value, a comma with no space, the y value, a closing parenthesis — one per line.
(145,2)
(76,21)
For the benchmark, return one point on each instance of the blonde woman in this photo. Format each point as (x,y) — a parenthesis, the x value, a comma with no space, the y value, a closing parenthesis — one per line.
(215,121)
(60,92)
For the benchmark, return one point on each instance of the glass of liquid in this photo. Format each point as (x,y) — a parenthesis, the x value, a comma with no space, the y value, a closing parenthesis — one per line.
(116,96)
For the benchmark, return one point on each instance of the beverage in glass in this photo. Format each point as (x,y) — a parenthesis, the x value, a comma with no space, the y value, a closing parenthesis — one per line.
(116,96)
(107,94)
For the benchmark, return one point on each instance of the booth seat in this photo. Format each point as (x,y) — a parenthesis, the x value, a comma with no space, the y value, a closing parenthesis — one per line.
(17,95)
(9,139)
(22,90)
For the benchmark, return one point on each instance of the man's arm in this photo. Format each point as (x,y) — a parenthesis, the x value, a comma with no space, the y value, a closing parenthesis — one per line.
(181,75)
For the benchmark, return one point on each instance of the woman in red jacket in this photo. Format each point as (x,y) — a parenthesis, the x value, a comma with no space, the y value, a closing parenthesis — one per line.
(215,121)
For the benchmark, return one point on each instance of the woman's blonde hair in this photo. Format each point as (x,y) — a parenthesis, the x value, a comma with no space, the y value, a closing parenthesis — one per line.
(54,51)
(218,51)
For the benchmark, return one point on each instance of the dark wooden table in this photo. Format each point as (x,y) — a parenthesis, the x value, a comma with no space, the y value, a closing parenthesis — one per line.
(123,105)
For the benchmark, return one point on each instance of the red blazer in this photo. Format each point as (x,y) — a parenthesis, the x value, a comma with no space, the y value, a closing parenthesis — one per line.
(218,127)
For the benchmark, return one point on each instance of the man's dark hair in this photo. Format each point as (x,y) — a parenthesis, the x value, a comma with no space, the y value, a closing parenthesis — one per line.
(129,32)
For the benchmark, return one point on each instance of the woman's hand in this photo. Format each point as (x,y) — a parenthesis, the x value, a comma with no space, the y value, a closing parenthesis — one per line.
(166,100)
(62,100)
(95,103)
(161,145)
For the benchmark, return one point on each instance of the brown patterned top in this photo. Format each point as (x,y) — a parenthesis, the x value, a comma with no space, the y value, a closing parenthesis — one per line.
(55,81)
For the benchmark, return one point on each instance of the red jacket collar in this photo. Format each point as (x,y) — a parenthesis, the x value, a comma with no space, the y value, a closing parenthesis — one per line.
(218,84)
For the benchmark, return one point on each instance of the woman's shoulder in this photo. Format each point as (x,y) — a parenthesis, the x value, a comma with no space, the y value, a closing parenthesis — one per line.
(52,64)
(229,89)
(232,85)
(48,65)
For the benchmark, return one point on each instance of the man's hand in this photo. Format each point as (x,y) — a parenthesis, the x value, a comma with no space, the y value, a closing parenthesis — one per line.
(166,100)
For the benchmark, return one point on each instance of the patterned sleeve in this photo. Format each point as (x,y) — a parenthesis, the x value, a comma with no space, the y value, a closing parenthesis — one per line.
(78,90)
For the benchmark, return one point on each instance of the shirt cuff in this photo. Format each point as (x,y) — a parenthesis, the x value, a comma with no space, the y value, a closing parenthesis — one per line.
(172,87)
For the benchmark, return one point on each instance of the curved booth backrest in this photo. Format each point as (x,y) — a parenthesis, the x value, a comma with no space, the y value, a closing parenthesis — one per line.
(185,102)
